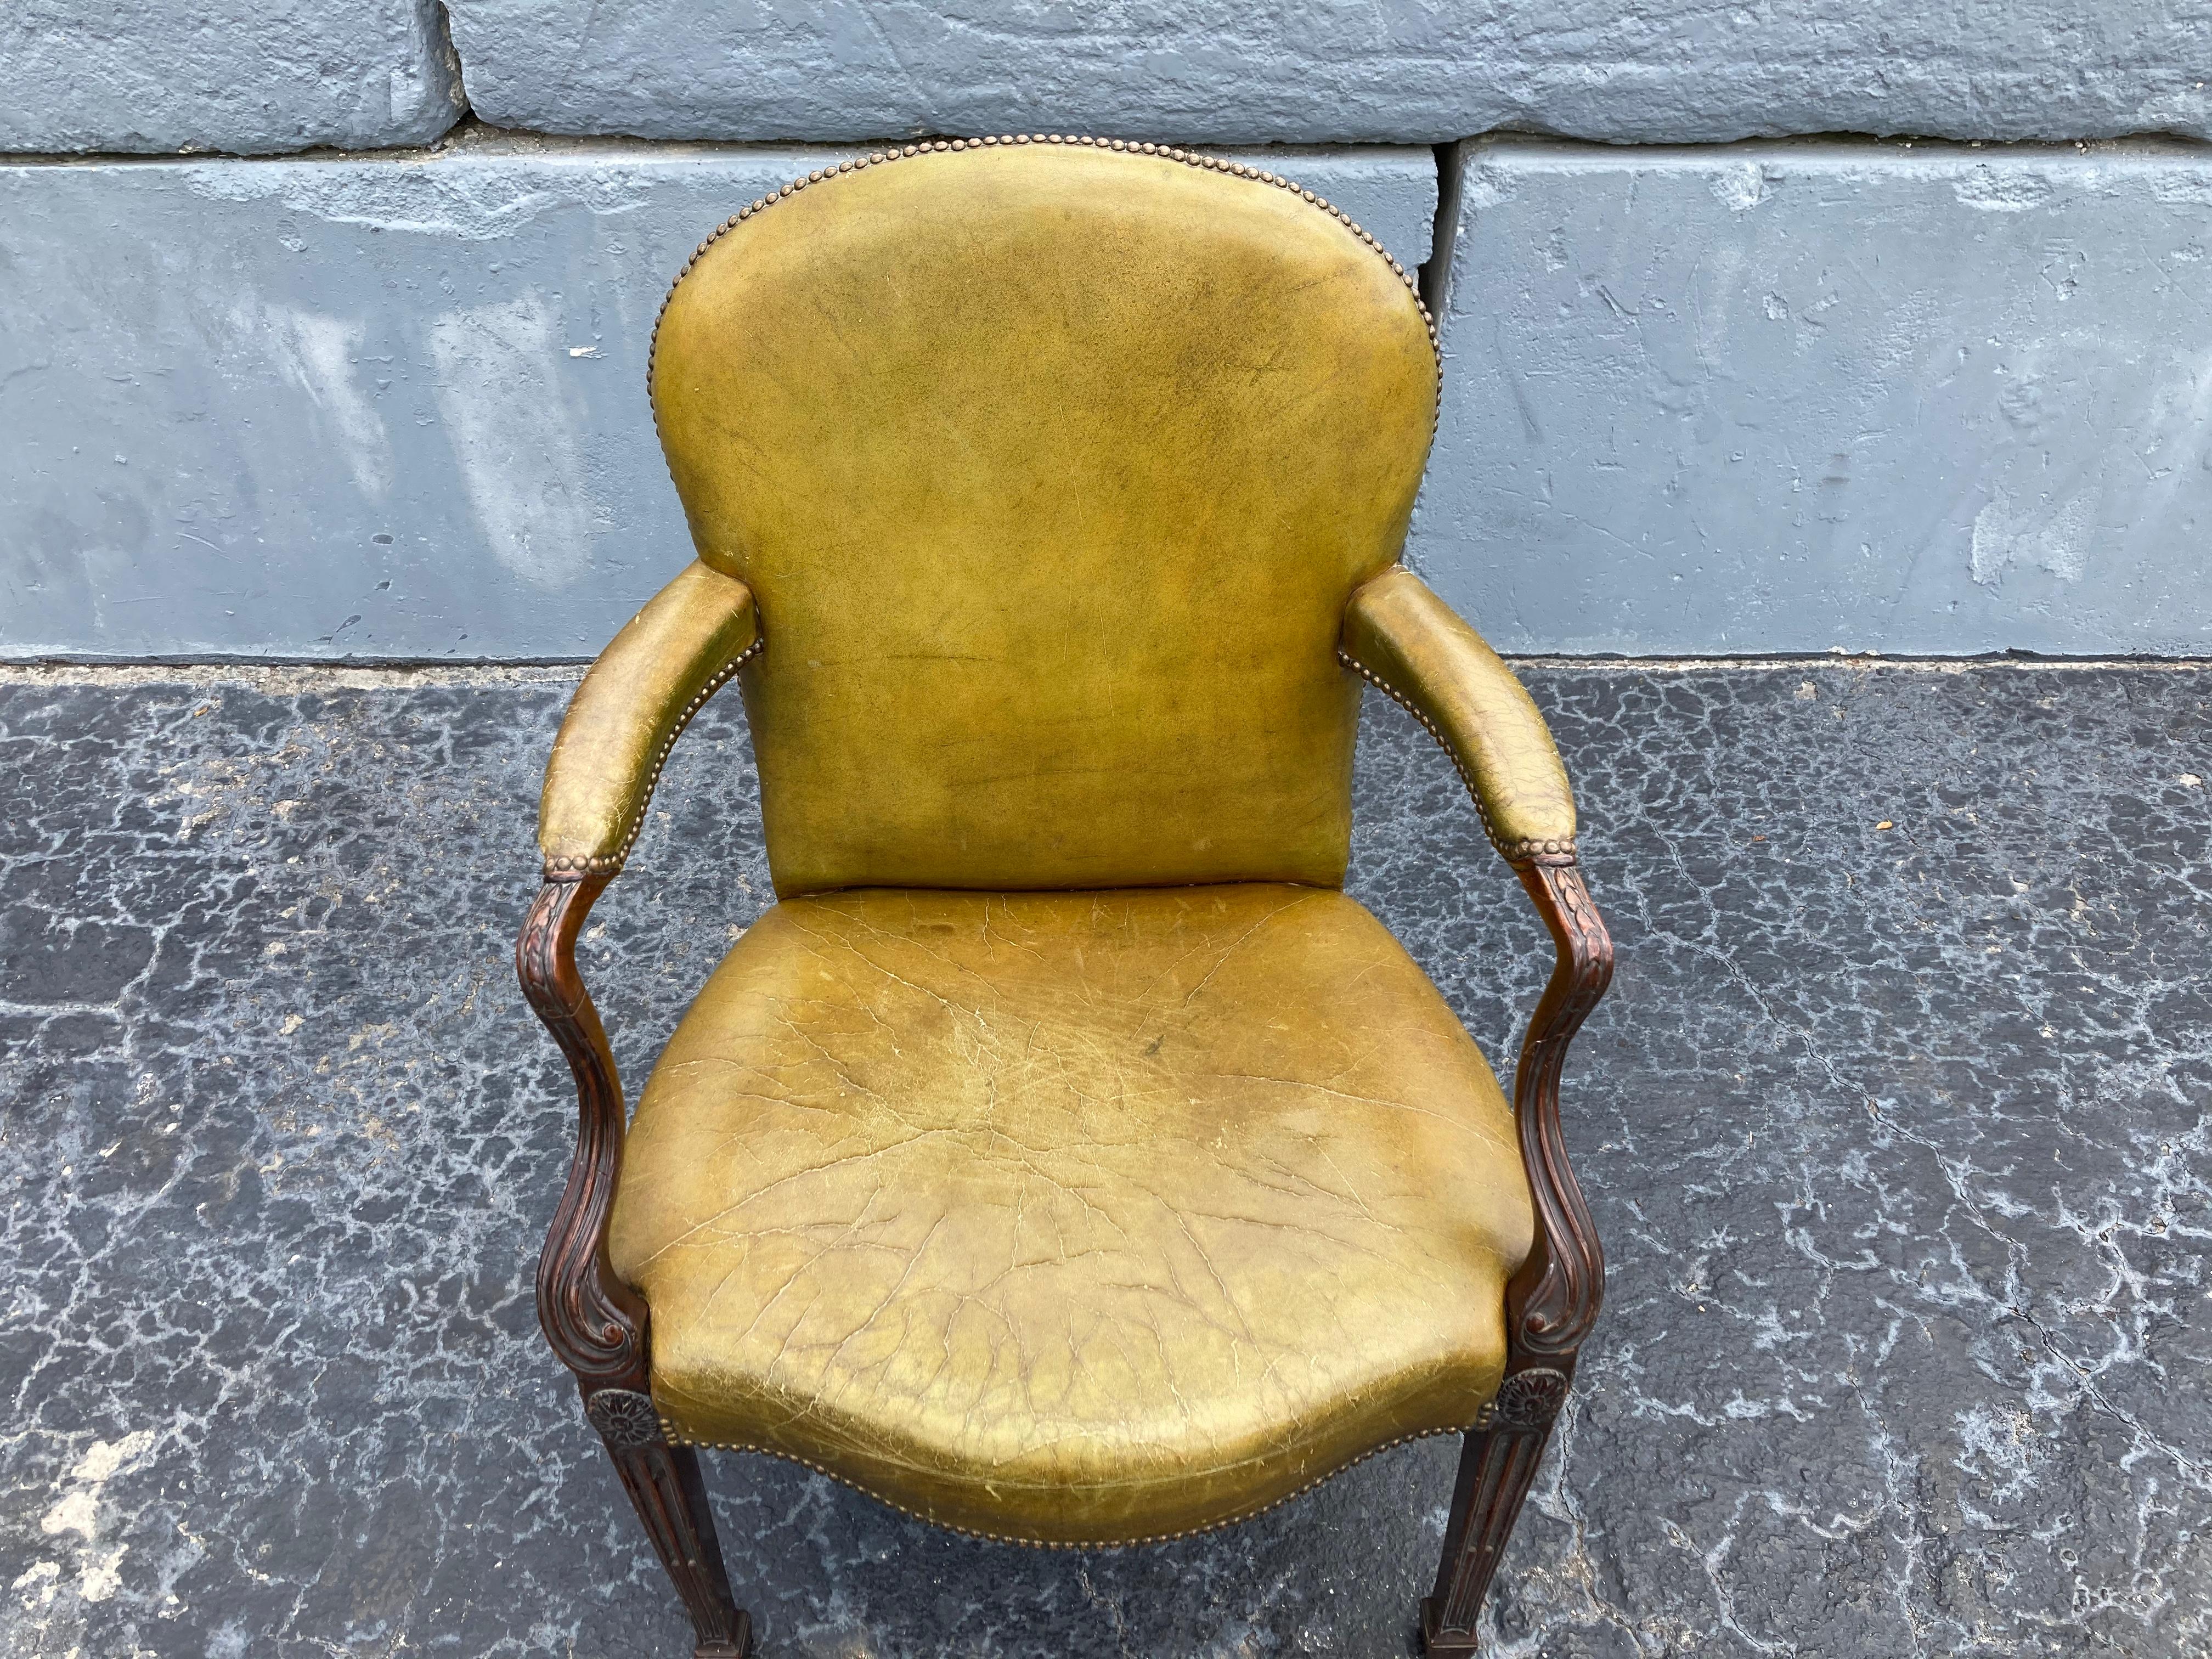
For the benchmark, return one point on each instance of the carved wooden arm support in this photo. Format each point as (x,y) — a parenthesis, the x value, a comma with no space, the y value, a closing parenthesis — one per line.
(1551,1302)
(594,1322)
(1405,640)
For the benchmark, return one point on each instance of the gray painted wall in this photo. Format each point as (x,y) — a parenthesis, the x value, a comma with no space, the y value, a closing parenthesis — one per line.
(275,75)
(1787,397)
(383,406)
(1401,71)
(284,75)
(1784,396)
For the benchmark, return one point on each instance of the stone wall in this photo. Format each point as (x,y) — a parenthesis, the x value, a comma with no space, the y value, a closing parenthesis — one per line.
(1808,391)
(156,76)
(1227,71)
(1786,397)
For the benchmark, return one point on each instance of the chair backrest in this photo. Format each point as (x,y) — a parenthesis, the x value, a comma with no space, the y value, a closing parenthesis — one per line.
(1051,466)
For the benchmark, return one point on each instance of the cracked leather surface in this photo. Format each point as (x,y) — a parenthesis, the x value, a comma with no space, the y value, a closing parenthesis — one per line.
(631,704)
(1071,1216)
(1051,470)
(1422,653)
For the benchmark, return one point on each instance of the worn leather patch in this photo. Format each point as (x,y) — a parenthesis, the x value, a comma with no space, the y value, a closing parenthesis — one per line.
(1077,1217)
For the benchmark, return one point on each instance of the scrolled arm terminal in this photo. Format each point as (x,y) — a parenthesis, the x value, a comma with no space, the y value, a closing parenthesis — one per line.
(1408,642)
(633,705)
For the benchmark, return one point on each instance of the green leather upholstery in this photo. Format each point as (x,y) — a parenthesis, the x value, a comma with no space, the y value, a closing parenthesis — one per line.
(633,705)
(1406,640)
(1064,1158)
(1072,1217)
(1050,469)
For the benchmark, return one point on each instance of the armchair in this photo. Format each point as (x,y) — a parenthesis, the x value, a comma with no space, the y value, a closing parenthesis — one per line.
(1064,1158)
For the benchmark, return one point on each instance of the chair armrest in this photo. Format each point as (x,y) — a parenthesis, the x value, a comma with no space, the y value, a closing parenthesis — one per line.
(633,705)
(1408,642)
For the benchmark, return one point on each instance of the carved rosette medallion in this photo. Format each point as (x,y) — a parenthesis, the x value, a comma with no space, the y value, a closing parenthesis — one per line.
(1528,1399)
(624,1417)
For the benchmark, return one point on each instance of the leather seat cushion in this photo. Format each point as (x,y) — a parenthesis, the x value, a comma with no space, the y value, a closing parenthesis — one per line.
(1074,1217)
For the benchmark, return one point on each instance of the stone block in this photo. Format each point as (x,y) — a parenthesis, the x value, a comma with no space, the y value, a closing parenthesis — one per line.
(388,407)
(1778,397)
(162,76)
(1214,71)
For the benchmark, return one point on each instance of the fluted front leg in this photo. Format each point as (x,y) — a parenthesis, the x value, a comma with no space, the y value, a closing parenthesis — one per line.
(669,1494)
(1497,1465)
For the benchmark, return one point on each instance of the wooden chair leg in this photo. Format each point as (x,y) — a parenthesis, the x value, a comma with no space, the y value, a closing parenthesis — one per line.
(669,1493)
(1497,1465)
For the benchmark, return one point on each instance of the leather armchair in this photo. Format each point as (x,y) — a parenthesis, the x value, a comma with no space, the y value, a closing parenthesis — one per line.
(1064,1158)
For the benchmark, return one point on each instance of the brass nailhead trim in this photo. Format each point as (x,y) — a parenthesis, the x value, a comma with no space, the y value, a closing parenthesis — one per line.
(611,863)
(677,1438)
(1513,852)
(1189,158)
(598,865)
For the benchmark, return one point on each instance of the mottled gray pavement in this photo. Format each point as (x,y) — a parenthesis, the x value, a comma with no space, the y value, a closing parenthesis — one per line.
(1896,1125)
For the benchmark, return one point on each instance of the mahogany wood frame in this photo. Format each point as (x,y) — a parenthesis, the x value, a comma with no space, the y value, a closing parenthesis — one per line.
(594,1322)
(597,1326)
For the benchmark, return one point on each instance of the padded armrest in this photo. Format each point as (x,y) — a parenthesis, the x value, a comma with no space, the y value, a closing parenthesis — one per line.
(634,702)
(1404,639)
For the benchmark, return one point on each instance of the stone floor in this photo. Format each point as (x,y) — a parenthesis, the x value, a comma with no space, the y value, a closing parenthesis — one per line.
(1896,1125)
